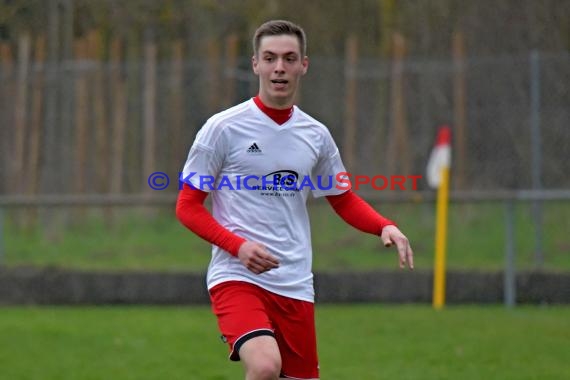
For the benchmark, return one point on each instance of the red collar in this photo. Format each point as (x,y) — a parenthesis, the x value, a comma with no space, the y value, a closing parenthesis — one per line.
(278,116)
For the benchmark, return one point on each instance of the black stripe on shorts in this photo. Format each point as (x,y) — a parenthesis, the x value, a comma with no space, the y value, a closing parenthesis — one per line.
(234,355)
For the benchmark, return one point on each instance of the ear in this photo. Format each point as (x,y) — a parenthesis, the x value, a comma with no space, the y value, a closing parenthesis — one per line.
(254,65)
(305,64)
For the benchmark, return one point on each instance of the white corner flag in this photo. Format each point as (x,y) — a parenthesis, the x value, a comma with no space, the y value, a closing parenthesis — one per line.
(440,157)
(438,177)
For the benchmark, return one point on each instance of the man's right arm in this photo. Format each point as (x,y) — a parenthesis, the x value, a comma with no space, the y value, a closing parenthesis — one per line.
(192,213)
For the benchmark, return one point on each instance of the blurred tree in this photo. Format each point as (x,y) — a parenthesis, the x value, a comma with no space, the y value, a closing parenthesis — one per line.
(490,26)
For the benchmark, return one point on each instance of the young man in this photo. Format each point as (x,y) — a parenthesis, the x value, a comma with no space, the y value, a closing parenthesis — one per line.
(260,160)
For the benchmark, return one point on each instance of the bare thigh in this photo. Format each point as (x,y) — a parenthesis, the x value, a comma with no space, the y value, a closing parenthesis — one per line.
(260,355)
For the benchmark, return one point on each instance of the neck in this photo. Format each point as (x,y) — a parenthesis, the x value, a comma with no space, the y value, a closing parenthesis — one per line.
(278,115)
(286,103)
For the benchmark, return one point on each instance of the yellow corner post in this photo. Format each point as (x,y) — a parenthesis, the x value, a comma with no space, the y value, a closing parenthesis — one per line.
(441,240)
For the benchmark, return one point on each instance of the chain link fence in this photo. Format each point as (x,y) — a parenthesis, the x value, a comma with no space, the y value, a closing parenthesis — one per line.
(65,138)
(86,127)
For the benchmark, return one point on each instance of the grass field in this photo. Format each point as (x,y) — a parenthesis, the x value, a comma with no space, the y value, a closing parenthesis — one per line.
(355,342)
(135,241)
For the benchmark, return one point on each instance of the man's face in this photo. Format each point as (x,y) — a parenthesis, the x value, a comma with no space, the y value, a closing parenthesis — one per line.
(279,65)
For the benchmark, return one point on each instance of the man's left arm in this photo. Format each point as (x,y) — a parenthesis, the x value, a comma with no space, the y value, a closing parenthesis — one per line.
(358,213)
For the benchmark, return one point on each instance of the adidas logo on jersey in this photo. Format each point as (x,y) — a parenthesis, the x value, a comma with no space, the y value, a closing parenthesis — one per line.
(253,148)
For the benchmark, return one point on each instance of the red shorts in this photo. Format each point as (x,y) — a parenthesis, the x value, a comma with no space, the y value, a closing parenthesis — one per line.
(246,311)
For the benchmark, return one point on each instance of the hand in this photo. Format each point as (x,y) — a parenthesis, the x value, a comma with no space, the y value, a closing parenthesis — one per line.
(256,258)
(392,235)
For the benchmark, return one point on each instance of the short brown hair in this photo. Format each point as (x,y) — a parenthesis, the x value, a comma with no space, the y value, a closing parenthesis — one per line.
(277,28)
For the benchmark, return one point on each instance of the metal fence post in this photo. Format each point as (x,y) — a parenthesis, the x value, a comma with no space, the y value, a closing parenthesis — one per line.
(536,154)
(509,280)
(2,251)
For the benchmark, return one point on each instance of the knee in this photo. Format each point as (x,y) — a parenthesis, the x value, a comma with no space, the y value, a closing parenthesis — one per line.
(264,368)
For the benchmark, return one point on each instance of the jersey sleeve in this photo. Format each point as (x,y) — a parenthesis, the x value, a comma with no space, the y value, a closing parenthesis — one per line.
(205,158)
(329,173)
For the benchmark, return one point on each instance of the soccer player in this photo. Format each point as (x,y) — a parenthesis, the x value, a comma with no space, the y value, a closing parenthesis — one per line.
(260,160)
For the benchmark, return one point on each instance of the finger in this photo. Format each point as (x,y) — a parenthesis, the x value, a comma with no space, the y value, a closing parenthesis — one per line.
(254,270)
(257,269)
(257,262)
(267,265)
(410,257)
(262,264)
(270,264)
(402,253)
(269,258)
(272,260)
(254,266)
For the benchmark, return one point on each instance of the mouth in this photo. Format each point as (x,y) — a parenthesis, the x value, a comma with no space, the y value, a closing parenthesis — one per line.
(279,83)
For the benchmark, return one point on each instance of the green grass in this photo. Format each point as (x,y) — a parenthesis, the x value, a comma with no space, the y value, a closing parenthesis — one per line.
(355,342)
(134,240)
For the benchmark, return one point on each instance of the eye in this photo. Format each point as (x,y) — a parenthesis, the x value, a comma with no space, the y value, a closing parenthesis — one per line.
(268,59)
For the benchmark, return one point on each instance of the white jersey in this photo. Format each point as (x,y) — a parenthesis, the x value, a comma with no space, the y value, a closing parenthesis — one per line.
(260,174)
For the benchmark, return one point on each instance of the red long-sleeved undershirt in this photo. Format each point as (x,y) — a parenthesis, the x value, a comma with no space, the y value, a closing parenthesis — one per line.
(358,213)
(192,213)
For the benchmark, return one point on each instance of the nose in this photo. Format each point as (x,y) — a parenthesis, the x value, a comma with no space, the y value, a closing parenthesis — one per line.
(279,67)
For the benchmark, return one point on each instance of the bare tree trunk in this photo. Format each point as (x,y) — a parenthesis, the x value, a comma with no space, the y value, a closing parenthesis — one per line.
(459,107)
(230,69)
(50,176)
(119,118)
(66,105)
(134,119)
(213,70)
(21,113)
(387,18)
(81,47)
(398,149)
(6,115)
(33,167)
(350,118)
(149,107)
(177,105)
